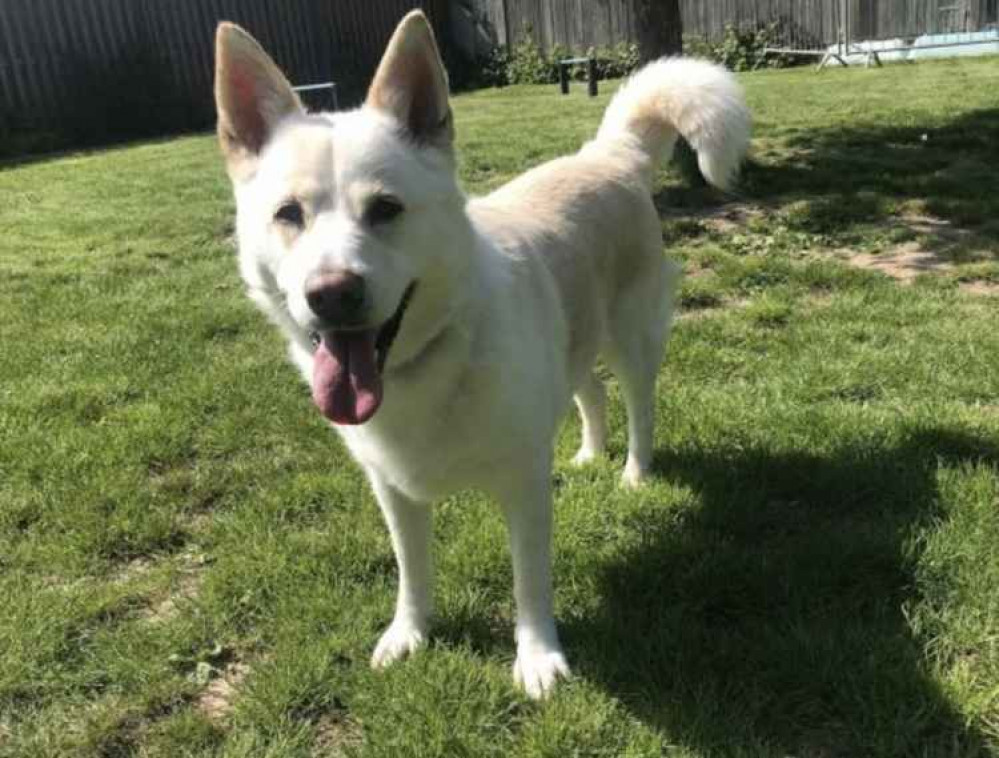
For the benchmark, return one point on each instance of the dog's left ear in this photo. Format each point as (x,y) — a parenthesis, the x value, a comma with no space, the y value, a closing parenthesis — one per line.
(252,96)
(411,83)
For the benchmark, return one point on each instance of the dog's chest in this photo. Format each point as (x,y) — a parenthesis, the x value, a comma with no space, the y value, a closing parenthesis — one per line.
(425,455)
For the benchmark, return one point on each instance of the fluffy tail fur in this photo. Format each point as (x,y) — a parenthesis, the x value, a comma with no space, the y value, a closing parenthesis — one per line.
(697,99)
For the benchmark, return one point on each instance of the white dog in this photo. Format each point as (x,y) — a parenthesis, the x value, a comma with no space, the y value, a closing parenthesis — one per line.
(444,337)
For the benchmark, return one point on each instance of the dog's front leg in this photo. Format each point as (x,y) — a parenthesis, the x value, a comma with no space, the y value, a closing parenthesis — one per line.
(527,505)
(409,523)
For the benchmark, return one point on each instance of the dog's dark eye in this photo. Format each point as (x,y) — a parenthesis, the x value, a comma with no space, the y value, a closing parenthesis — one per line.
(290,213)
(382,209)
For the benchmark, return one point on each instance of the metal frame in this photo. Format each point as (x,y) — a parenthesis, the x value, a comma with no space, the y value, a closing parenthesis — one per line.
(331,86)
(845,46)
(591,74)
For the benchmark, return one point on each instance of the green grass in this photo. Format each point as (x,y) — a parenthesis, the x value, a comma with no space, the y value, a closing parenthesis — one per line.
(813,572)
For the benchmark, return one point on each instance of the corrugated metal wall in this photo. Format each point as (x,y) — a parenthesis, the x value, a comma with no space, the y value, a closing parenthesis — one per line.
(45,44)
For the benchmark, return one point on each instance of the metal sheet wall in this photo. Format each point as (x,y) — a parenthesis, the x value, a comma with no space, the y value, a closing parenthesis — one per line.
(44,43)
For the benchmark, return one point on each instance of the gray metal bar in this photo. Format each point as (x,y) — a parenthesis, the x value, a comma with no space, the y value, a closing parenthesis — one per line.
(311,87)
(331,86)
(911,48)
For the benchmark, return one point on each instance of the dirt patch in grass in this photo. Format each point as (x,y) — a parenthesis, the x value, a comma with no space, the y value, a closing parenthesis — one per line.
(932,245)
(982,288)
(904,262)
(694,314)
(133,570)
(934,227)
(720,218)
(218,697)
(183,590)
(961,244)
(335,733)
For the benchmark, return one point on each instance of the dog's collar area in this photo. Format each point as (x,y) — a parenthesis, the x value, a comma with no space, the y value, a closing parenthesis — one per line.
(387,334)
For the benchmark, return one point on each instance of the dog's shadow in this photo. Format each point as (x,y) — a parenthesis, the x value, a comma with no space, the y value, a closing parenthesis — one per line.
(773,621)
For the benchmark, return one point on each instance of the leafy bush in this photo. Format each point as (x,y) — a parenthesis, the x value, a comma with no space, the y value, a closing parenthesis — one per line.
(617,61)
(527,63)
(742,49)
(495,68)
(466,73)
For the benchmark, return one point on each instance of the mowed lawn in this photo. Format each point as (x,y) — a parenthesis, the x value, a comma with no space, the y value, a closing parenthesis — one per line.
(190,565)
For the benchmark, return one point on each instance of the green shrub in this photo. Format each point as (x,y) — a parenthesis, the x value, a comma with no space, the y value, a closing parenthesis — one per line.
(617,61)
(495,68)
(742,49)
(527,63)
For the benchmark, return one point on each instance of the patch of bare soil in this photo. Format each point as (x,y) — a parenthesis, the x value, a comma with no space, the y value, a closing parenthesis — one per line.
(336,733)
(904,262)
(721,218)
(924,224)
(695,314)
(134,569)
(217,699)
(985,289)
(939,248)
(941,234)
(184,589)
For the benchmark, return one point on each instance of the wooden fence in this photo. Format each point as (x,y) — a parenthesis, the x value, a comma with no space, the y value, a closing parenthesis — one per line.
(814,23)
(51,50)
(63,61)
(577,24)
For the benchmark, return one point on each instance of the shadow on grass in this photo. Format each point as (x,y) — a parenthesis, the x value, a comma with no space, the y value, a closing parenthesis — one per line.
(846,176)
(111,146)
(772,621)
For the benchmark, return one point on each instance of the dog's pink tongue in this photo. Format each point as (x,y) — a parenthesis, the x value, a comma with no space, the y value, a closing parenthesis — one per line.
(345,381)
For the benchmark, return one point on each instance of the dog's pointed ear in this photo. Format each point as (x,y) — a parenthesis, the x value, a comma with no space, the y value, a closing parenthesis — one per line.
(411,83)
(251,96)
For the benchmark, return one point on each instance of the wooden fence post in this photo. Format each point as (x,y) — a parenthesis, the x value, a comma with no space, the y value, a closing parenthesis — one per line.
(591,76)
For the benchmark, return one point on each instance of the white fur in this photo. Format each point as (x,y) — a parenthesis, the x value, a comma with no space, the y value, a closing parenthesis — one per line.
(698,99)
(518,294)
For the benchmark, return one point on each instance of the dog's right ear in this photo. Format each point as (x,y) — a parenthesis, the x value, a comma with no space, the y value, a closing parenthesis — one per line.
(251,95)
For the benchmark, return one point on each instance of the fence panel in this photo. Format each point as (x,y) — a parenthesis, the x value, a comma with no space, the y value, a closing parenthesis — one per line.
(48,47)
(577,24)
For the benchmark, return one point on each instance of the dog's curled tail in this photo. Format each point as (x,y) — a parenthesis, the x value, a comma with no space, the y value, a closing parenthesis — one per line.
(695,98)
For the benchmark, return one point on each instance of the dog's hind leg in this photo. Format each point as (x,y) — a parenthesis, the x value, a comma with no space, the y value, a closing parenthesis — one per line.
(635,366)
(638,331)
(410,526)
(591,399)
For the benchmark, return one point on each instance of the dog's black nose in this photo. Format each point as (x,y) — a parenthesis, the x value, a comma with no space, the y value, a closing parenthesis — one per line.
(338,298)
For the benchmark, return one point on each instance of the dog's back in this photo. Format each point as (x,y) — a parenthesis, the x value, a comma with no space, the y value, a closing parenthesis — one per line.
(590,216)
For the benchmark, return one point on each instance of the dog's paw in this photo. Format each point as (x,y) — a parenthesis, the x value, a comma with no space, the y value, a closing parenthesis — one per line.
(536,671)
(402,638)
(634,475)
(584,457)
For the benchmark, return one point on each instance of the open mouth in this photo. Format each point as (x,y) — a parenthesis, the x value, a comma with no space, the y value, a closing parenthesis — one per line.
(348,365)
